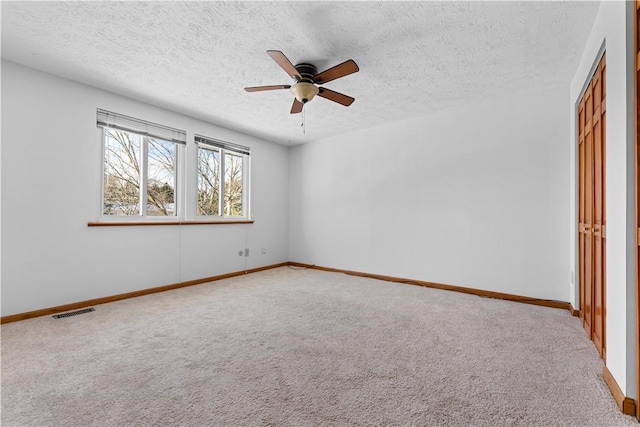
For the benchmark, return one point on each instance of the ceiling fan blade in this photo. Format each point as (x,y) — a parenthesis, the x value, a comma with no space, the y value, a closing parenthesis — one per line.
(340,70)
(284,63)
(296,107)
(336,96)
(261,88)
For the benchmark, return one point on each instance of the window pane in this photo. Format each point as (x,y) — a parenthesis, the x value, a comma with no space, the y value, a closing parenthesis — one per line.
(232,184)
(161,178)
(121,173)
(208,182)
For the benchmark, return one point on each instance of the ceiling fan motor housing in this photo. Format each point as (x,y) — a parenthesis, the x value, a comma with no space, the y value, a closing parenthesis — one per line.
(306,72)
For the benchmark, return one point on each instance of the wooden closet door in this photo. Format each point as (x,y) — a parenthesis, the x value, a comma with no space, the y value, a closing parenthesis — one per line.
(582,153)
(599,226)
(591,208)
(586,211)
(637,120)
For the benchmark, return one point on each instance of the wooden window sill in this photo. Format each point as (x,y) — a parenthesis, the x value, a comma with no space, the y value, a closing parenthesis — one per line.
(145,223)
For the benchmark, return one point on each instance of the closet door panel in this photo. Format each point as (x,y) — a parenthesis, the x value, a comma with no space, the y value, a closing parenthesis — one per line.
(591,208)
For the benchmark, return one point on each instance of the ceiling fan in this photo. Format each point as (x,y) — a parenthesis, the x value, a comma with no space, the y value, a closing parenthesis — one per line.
(307,80)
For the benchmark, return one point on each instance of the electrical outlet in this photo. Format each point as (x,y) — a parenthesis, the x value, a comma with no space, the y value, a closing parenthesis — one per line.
(246,252)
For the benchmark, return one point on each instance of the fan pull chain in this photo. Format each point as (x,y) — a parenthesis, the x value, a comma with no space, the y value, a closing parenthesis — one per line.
(304,128)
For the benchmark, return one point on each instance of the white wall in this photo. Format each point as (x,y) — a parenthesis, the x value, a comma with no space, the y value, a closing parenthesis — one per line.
(50,183)
(613,30)
(475,198)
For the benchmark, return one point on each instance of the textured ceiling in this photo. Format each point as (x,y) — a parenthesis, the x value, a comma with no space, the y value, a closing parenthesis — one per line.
(195,58)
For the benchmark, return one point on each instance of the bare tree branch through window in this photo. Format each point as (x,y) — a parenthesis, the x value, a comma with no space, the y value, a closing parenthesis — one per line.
(124,174)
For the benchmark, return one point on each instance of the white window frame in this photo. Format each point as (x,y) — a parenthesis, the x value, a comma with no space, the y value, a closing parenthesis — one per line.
(223,147)
(109,120)
(185,174)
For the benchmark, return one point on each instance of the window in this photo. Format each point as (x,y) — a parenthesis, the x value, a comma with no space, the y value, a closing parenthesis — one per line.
(140,171)
(148,173)
(222,178)
(208,181)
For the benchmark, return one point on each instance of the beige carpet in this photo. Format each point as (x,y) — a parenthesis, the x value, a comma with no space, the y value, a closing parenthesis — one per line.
(305,348)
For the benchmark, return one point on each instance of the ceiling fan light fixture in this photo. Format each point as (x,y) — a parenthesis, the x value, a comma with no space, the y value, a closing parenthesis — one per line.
(304,92)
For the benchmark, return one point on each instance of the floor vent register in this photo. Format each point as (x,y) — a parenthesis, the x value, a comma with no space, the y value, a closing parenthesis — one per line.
(74,313)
